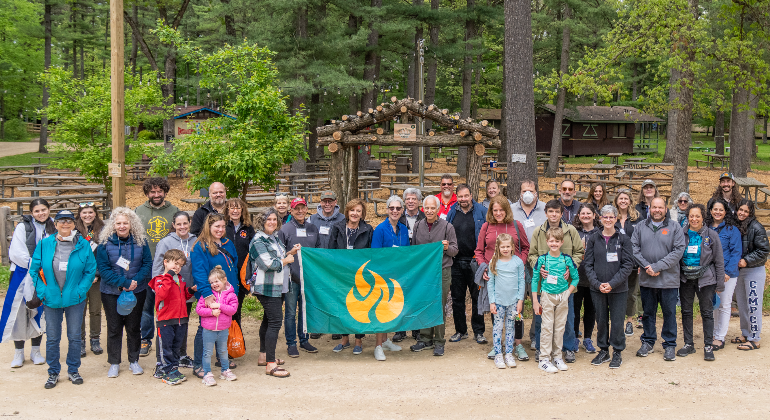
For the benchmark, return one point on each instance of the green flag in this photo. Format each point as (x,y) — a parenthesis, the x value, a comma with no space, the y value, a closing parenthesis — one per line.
(367,291)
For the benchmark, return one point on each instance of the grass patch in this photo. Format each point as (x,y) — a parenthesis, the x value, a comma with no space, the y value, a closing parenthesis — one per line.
(252,307)
(5,277)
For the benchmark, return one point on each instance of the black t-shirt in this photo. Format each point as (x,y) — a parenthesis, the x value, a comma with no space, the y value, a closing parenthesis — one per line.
(465,228)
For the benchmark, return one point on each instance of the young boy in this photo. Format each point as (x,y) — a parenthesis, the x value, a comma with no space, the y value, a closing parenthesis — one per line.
(553,302)
(171,293)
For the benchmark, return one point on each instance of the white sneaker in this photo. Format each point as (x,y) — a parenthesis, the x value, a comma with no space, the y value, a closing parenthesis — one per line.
(510,361)
(532,345)
(35,356)
(499,363)
(546,366)
(390,346)
(18,359)
(379,354)
(135,368)
(114,371)
(560,364)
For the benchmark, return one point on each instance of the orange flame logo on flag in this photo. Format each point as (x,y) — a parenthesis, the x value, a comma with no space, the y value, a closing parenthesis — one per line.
(389,307)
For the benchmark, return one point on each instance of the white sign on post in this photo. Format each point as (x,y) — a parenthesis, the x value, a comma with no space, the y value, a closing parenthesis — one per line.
(115,170)
(518,158)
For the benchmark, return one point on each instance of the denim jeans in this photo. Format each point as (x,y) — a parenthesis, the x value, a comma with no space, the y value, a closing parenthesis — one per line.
(569,331)
(218,339)
(53,321)
(198,346)
(651,297)
(292,321)
(148,316)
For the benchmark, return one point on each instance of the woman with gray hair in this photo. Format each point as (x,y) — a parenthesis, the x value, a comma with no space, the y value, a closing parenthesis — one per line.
(679,209)
(608,262)
(124,261)
(412,213)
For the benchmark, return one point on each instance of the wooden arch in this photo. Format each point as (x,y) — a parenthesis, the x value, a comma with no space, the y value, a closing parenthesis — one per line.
(345,135)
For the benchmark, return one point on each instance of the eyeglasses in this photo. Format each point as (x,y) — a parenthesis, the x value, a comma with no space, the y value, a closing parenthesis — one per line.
(87,204)
(608,217)
(394,208)
(445,184)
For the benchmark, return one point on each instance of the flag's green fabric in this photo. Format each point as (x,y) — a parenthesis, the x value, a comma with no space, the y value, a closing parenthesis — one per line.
(366,291)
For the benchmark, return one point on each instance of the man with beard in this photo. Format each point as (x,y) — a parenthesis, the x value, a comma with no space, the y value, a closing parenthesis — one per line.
(156,215)
(216,204)
(727,191)
(658,245)
(446,197)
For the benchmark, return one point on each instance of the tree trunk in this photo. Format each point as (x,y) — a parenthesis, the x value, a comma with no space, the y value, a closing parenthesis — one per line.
(672,129)
(134,41)
(685,79)
(635,83)
(470,34)
(47,63)
(740,154)
(553,161)
(350,174)
(764,129)
(719,131)
(73,27)
(353,99)
(168,94)
(336,172)
(519,92)
(314,111)
(502,152)
(752,128)
(474,172)
(430,82)
(414,81)
(370,70)
(229,22)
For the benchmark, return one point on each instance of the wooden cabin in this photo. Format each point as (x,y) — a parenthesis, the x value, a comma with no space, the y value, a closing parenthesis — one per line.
(188,118)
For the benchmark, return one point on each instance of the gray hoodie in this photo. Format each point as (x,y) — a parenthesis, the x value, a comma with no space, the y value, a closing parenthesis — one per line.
(157,221)
(661,249)
(172,241)
(324,224)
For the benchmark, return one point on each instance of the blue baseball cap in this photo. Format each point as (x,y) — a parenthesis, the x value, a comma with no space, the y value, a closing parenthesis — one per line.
(64,214)
(126,302)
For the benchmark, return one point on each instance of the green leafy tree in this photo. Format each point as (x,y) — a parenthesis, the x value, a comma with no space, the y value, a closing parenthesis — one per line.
(80,108)
(250,148)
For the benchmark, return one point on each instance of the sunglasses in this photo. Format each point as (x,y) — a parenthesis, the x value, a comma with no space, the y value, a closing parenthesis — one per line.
(394,208)
(683,201)
(444,184)
(568,189)
(87,204)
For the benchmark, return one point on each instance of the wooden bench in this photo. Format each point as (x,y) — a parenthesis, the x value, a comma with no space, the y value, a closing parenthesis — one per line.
(709,164)
(764,191)
(368,193)
(378,201)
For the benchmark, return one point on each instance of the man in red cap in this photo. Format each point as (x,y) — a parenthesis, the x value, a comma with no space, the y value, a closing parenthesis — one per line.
(297,233)
(727,190)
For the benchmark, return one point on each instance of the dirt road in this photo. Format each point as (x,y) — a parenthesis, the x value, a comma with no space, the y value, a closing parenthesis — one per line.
(463,384)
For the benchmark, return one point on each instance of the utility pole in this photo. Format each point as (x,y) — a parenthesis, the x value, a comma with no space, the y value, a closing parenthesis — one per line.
(117,168)
(421,97)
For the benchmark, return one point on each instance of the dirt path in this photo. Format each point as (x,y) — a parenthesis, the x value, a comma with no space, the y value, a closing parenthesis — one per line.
(11,148)
(462,384)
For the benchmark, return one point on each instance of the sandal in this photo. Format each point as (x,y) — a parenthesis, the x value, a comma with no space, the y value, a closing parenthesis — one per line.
(749,345)
(716,347)
(198,372)
(738,340)
(278,362)
(276,372)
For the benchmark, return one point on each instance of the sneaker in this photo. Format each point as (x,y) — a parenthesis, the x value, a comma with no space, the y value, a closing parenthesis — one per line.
(602,357)
(171,379)
(179,375)
(35,356)
(708,353)
(388,345)
(577,345)
(510,361)
(18,359)
(589,346)
(208,380)
(492,354)
(83,349)
(339,347)
(227,375)
(358,350)
(560,364)
(315,336)
(308,347)
(684,351)
(159,373)
(532,345)
(75,378)
(52,380)
(616,360)
(336,336)
(644,350)
(499,362)
(293,352)
(438,350)
(379,354)
(457,337)
(569,356)
(96,347)
(480,339)
(629,329)
(669,355)
(547,367)
(135,368)
(420,346)
(521,353)
(399,336)
(186,362)
(113,371)
(146,347)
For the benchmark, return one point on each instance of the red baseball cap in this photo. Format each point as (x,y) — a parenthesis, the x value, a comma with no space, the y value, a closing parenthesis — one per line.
(297,201)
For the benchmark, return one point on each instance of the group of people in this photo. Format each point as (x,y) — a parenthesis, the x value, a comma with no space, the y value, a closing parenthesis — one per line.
(609,262)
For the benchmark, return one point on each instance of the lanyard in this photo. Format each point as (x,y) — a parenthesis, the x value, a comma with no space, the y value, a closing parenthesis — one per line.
(395,237)
(185,246)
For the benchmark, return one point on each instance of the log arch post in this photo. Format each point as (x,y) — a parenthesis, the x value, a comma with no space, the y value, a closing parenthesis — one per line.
(473,177)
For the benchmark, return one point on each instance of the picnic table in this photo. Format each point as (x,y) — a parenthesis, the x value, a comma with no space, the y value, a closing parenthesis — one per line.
(36,190)
(712,159)
(630,173)
(748,183)
(21,168)
(54,179)
(39,158)
(595,176)
(197,201)
(414,175)
(604,167)
(615,157)
(56,201)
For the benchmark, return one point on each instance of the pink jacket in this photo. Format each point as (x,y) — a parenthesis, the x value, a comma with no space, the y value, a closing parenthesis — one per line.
(228,304)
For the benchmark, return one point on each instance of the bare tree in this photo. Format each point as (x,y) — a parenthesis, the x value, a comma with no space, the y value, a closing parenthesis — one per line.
(47,63)
(553,162)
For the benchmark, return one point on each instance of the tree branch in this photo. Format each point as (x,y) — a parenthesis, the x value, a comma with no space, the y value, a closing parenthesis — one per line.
(135,31)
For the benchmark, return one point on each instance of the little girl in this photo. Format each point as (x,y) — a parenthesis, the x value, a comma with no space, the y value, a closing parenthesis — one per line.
(506,297)
(215,320)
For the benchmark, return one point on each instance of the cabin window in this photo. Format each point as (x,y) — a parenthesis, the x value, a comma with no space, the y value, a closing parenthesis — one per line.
(619,130)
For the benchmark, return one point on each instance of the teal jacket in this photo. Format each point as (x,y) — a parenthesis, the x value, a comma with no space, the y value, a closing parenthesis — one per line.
(81,270)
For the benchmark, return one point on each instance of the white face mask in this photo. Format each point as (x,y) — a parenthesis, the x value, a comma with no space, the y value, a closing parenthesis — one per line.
(528,197)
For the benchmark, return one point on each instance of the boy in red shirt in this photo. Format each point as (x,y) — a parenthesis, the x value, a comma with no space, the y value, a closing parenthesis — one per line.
(171,293)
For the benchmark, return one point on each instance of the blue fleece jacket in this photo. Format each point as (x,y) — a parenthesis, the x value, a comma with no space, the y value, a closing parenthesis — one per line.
(732,246)
(81,270)
(384,237)
(140,264)
(203,262)
(479,215)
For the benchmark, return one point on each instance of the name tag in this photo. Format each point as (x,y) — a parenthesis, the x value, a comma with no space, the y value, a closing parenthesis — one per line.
(529,223)
(623,231)
(350,246)
(552,279)
(93,246)
(692,249)
(63,266)
(442,216)
(612,257)
(324,230)
(302,233)
(410,234)
(123,263)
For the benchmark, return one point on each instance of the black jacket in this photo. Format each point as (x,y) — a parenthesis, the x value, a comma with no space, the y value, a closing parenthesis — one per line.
(755,245)
(338,236)
(599,270)
(241,240)
(583,282)
(199,218)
